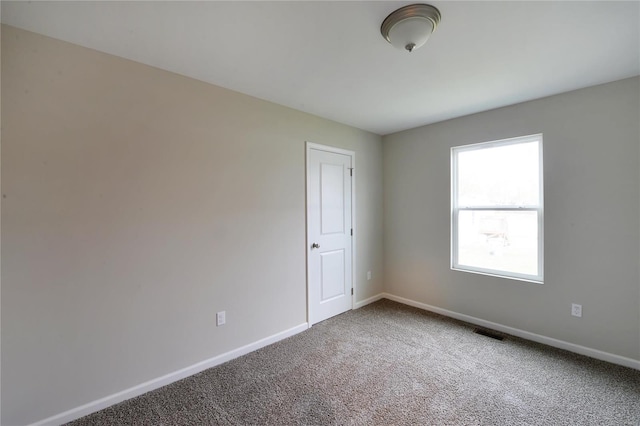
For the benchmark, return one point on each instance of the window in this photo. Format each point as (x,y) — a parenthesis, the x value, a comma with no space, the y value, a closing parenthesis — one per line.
(497,214)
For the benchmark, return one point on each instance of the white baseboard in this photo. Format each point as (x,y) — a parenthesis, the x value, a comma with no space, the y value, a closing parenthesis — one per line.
(145,387)
(571,347)
(365,302)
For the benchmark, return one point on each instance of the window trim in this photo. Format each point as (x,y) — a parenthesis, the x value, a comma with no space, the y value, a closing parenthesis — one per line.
(455,209)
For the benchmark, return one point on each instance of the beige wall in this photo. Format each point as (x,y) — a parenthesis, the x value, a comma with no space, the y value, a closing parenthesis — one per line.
(592,218)
(139,203)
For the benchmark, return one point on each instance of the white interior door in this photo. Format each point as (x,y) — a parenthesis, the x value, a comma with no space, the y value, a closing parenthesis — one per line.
(329,231)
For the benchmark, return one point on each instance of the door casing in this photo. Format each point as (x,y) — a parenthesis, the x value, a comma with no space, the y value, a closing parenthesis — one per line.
(309,147)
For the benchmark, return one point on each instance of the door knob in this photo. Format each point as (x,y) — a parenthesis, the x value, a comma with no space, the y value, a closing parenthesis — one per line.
(315,245)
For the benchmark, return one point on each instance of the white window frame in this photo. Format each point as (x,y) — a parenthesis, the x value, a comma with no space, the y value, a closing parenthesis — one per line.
(455,210)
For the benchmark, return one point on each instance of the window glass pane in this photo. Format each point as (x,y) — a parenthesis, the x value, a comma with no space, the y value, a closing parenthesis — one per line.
(499,240)
(499,176)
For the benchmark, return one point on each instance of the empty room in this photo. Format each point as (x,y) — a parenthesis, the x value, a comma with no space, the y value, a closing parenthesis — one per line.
(320,212)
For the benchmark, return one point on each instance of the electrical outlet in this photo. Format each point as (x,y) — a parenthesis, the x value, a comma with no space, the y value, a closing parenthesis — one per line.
(368,275)
(221,318)
(576,310)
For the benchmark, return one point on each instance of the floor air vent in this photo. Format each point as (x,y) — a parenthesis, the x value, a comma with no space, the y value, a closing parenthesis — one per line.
(489,333)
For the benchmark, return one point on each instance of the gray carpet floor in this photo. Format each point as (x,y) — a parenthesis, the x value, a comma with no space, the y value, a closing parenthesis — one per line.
(389,364)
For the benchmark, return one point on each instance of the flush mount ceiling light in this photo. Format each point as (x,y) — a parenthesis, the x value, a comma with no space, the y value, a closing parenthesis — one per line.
(410,27)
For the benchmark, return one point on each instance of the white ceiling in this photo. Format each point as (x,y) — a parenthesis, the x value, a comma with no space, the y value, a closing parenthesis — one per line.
(328,57)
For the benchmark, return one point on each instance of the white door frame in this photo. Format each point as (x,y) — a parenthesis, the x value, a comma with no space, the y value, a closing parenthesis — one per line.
(352,154)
